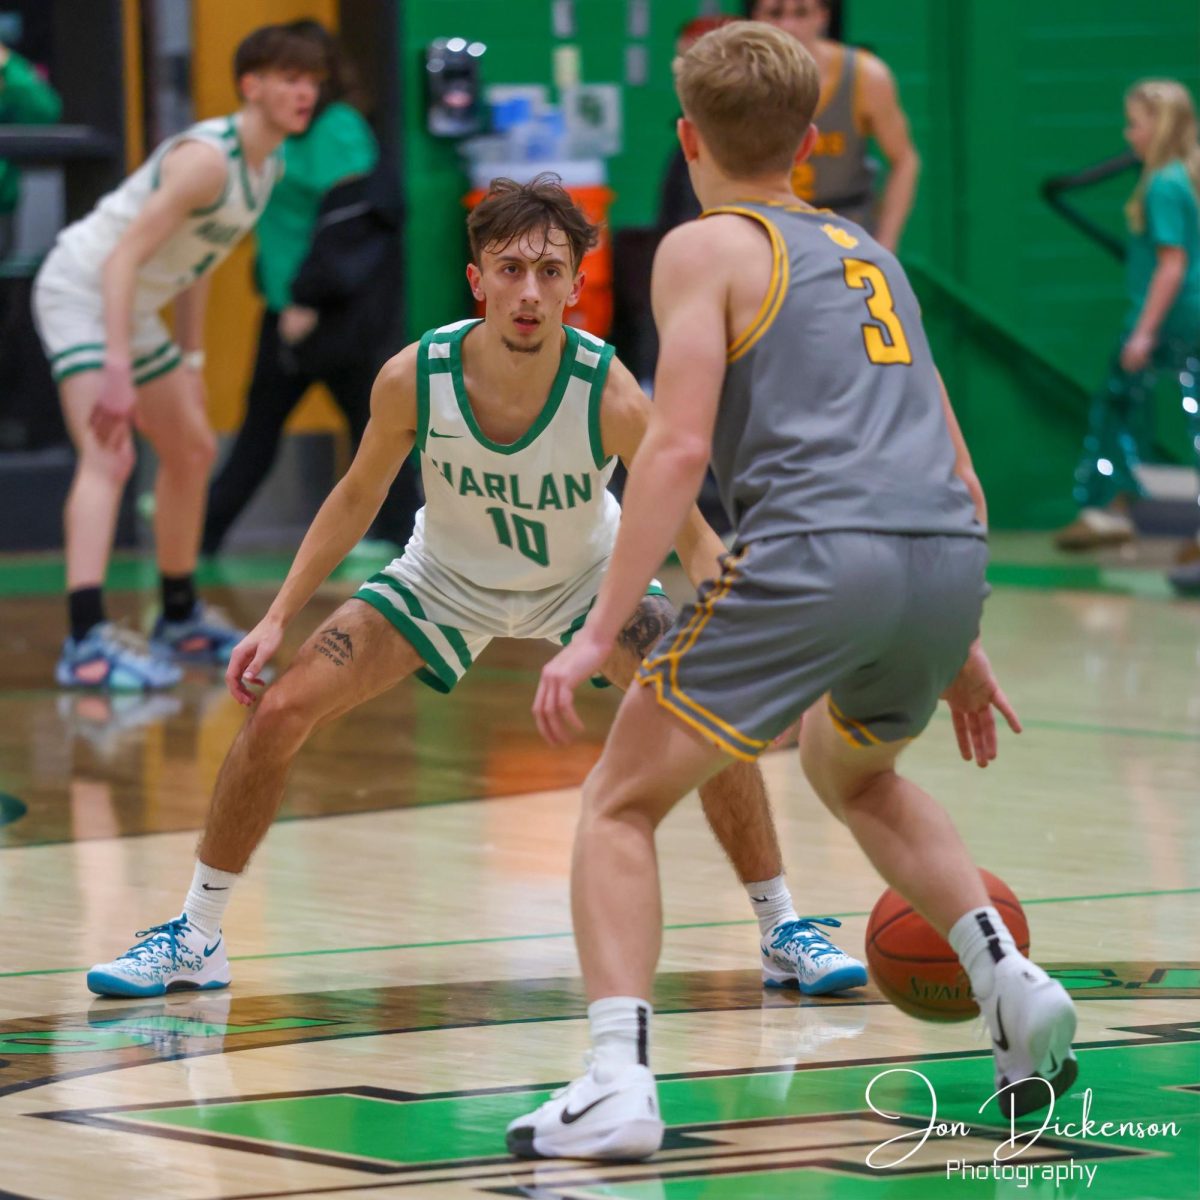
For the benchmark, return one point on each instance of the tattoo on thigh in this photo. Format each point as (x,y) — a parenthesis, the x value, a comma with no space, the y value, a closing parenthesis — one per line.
(336,646)
(653,618)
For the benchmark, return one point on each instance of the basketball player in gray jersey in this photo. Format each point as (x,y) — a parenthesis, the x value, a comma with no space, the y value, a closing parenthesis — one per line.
(792,351)
(858,102)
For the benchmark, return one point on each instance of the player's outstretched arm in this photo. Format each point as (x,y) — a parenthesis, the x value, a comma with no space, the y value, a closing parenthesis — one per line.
(342,520)
(887,123)
(624,415)
(191,176)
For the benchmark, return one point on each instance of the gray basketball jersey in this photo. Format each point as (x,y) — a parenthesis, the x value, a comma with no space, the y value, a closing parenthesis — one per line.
(839,174)
(831,415)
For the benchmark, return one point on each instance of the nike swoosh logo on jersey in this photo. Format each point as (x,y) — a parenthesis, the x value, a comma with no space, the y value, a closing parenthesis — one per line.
(569,1117)
(432,433)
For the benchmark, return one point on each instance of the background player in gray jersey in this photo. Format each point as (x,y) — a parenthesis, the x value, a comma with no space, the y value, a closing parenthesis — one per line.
(858,101)
(857,579)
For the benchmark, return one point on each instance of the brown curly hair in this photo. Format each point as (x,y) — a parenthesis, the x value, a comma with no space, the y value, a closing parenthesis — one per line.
(510,210)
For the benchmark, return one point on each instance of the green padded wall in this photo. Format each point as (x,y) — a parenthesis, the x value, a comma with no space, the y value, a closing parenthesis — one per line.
(1022,310)
(520,43)
(1002,95)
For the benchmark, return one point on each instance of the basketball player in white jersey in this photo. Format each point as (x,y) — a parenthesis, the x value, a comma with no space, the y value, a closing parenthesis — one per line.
(97,302)
(518,420)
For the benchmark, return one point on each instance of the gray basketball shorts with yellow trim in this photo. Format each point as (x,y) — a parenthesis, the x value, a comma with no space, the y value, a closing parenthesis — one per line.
(449,620)
(880,622)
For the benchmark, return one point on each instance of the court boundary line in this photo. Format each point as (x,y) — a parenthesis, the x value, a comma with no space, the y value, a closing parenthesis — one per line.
(529,937)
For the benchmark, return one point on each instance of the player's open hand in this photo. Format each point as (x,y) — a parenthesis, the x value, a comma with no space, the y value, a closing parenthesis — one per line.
(112,416)
(249,657)
(554,704)
(972,696)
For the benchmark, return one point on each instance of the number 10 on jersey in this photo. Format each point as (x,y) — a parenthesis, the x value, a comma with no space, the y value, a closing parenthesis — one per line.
(530,535)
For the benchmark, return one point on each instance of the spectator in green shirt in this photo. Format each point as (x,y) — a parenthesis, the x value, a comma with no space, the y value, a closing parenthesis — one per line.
(25,99)
(302,253)
(1161,331)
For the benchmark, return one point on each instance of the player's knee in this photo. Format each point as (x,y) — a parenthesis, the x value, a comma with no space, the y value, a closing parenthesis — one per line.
(283,718)
(192,453)
(114,467)
(612,796)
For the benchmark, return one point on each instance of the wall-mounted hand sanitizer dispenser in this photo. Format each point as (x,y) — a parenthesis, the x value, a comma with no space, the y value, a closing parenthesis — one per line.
(453,87)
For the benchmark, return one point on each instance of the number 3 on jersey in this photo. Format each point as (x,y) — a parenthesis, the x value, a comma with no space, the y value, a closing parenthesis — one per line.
(887,346)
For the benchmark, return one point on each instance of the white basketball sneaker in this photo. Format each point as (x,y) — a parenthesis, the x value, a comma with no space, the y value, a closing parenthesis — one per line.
(796,954)
(174,957)
(1032,1022)
(617,1119)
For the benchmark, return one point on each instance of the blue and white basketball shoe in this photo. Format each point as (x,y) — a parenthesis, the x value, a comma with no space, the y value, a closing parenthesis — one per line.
(207,636)
(173,957)
(796,954)
(114,659)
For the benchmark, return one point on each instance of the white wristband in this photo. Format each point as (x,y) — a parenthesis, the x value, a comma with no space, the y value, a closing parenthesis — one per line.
(194,360)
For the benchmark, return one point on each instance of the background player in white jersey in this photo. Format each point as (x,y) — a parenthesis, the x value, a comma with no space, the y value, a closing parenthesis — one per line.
(793,356)
(96,302)
(518,420)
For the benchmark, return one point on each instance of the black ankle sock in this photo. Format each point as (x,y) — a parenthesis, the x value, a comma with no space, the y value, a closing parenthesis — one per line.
(85,607)
(178,597)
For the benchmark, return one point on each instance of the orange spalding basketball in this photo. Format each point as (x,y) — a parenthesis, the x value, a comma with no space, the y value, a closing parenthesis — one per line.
(914,966)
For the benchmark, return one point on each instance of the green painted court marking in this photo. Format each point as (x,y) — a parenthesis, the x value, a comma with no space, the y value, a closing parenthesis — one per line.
(11,809)
(827,1137)
(45,575)
(534,937)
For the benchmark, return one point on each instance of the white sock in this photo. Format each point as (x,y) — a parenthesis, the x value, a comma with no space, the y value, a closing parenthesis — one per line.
(981,939)
(620,1028)
(772,903)
(207,898)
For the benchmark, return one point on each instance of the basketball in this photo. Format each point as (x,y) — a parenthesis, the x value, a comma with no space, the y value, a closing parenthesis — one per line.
(914,966)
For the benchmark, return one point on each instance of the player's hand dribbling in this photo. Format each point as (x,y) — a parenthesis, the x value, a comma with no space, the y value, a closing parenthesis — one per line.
(112,416)
(554,704)
(972,696)
(249,657)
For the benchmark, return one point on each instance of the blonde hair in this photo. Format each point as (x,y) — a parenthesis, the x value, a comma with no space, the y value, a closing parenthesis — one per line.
(750,89)
(1174,115)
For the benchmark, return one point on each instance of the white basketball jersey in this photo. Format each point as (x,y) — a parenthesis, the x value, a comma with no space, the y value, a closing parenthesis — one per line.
(522,517)
(203,240)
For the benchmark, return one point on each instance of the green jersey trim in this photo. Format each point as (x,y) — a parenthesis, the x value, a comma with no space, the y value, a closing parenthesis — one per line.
(437,673)
(75,350)
(595,434)
(553,400)
(423,389)
(156,175)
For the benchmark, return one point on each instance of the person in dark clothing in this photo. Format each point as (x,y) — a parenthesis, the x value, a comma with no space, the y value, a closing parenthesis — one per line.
(328,261)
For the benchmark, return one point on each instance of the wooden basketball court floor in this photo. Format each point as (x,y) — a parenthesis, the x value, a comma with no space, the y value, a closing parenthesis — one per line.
(404,975)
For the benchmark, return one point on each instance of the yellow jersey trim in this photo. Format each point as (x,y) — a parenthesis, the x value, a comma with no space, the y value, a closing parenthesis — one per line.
(832,81)
(776,288)
(709,735)
(849,728)
(684,641)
